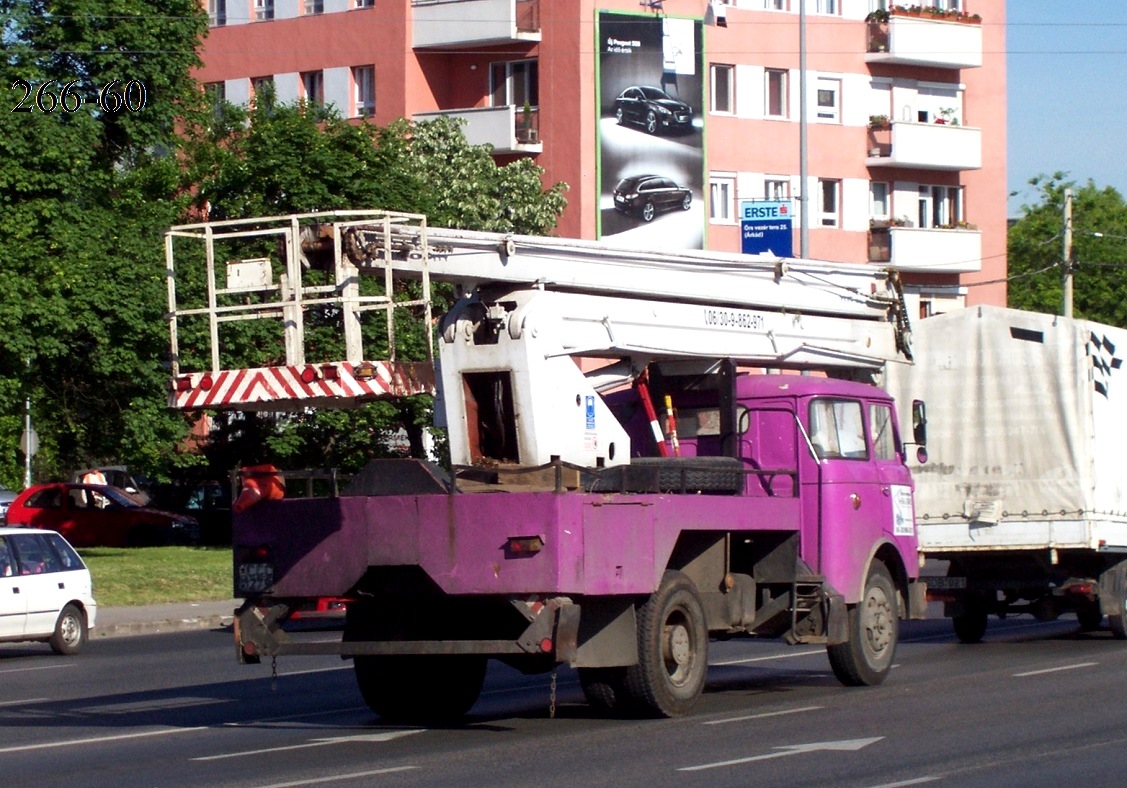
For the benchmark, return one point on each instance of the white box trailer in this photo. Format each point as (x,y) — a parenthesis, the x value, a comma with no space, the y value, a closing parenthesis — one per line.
(1024,491)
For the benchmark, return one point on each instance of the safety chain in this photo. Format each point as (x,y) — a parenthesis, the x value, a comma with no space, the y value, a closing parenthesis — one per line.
(552,698)
(274,674)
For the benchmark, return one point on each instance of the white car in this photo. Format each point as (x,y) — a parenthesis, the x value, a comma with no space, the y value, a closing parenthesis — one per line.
(6,498)
(45,590)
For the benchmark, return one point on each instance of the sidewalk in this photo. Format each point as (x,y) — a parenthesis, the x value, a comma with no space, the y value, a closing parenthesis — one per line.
(152,619)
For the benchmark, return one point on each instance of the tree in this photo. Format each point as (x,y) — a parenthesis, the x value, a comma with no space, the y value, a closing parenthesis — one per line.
(1099,242)
(86,192)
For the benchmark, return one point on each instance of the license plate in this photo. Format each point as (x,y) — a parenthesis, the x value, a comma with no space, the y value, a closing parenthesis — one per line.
(254,578)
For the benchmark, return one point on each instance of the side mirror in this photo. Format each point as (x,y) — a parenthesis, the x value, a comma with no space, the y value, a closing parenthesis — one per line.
(919,422)
(919,430)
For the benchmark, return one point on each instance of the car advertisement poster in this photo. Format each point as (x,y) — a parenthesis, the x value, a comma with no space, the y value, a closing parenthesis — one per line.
(651,131)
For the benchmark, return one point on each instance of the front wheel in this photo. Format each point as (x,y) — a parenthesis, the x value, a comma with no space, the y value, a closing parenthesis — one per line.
(866,658)
(70,631)
(648,212)
(672,650)
(420,688)
(1117,621)
(651,122)
(687,202)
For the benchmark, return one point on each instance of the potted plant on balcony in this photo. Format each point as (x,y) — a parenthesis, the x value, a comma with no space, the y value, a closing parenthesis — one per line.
(526,133)
(879,122)
(948,115)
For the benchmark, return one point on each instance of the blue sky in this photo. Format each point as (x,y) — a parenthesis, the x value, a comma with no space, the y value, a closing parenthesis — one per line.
(1067,97)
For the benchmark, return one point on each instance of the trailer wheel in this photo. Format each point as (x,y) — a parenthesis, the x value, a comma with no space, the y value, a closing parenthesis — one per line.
(970,625)
(604,688)
(866,658)
(1090,617)
(672,650)
(420,688)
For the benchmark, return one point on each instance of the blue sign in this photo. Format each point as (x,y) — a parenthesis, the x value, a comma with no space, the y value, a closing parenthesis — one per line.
(589,407)
(767,226)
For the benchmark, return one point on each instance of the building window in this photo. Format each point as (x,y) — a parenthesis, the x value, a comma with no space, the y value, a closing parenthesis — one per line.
(775,5)
(776,189)
(829,100)
(722,199)
(878,200)
(827,7)
(263,10)
(365,3)
(515,82)
(364,95)
(261,87)
(723,89)
(940,206)
(776,90)
(314,7)
(313,85)
(829,192)
(217,13)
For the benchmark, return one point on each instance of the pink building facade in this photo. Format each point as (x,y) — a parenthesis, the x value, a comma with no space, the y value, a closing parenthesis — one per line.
(905,117)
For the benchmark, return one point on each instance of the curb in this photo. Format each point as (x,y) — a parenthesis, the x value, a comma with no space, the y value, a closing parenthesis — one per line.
(125,628)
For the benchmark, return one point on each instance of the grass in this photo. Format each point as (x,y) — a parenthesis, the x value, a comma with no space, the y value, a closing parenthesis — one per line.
(156,575)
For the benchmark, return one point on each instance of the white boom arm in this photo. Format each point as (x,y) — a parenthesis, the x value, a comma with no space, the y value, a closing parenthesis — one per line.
(534,297)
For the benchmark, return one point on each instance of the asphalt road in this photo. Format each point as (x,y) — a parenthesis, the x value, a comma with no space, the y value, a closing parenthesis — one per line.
(1036,704)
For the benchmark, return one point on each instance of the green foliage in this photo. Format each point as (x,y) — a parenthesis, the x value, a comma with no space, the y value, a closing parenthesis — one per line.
(85,196)
(1099,242)
(158,575)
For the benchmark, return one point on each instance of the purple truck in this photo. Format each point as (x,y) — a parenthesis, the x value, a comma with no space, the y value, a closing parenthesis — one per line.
(788,513)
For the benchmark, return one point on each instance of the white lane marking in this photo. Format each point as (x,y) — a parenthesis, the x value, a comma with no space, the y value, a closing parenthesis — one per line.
(916,781)
(22,702)
(299,716)
(363,737)
(99,739)
(164,704)
(38,667)
(789,655)
(335,777)
(762,716)
(848,745)
(1077,666)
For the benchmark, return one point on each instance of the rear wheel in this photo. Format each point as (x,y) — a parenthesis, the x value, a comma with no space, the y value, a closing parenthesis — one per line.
(970,625)
(1090,617)
(866,658)
(70,631)
(618,116)
(672,650)
(604,688)
(420,688)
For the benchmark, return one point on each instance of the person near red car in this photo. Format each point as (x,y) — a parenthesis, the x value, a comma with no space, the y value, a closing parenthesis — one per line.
(89,515)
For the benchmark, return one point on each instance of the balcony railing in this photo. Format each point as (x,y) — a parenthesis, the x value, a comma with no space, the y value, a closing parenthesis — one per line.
(450,23)
(508,129)
(925,146)
(940,42)
(927,250)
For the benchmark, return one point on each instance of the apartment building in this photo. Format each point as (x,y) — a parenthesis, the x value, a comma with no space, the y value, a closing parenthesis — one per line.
(855,130)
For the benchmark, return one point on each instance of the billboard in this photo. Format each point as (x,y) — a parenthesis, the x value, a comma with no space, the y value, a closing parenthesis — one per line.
(649,72)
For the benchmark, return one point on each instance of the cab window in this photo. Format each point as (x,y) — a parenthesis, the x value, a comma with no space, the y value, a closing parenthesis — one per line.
(880,429)
(837,429)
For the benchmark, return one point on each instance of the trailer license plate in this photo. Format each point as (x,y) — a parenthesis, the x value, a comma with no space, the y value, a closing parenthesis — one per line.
(945,583)
(255,578)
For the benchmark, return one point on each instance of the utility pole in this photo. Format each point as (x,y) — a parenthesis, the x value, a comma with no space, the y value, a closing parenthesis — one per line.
(803,144)
(1067,262)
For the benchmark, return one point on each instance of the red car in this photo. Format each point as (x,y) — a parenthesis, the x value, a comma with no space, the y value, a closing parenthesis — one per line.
(95,515)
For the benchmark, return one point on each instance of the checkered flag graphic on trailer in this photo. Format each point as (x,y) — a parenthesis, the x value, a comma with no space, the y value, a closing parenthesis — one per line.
(1104,362)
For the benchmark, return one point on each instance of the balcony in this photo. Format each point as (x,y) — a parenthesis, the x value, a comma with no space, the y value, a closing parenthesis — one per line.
(951,41)
(507,129)
(927,250)
(453,23)
(925,146)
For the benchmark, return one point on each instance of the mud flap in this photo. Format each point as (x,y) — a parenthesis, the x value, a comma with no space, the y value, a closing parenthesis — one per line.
(917,600)
(837,620)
